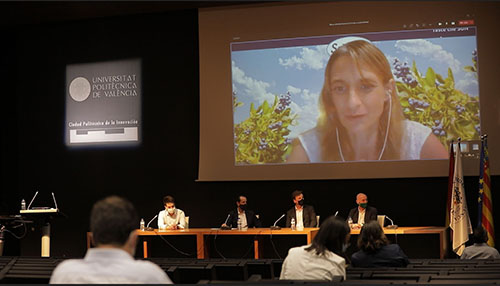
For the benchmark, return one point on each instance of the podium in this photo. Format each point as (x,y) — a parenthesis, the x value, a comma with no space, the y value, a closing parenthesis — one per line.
(42,216)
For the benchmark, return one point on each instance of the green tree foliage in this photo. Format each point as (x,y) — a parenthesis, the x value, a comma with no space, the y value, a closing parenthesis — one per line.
(262,137)
(433,101)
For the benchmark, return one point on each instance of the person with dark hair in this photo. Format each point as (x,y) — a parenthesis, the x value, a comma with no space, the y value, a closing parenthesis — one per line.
(480,249)
(362,213)
(303,215)
(171,217)
(113,223)
(375,250)
(324,258)
(246,216)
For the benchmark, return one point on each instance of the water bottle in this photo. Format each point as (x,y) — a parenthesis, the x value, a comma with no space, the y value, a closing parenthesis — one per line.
(349,221)
(239,223)
(292,224)
(142,226)
(23,204)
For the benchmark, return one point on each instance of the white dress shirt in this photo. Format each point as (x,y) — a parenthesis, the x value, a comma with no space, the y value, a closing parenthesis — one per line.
(307,265)
(166,220)
(243,219)
(361,217)
(299,223)
(108,266)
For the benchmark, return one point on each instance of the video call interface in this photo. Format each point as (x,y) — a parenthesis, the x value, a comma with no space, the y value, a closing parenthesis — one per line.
(276,86)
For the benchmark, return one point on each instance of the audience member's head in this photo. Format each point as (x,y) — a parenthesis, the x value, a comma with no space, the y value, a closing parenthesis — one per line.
(372,237)
(332,235)
(480,235)
(112,222)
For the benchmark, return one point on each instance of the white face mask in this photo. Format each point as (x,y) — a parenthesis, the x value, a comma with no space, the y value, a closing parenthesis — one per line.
(171,211)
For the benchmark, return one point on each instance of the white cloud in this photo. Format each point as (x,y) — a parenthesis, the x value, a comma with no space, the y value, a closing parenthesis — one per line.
(256,89)
(420,47)
(309,58)
(307,112)
(293,90)
(468,84)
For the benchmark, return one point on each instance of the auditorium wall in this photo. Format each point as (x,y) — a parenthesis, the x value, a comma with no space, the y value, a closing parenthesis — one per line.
(34,157)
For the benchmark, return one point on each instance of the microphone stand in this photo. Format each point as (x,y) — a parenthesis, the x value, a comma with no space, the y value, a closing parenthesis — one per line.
(150,228)
(392,226)
(276,227)
(224,225)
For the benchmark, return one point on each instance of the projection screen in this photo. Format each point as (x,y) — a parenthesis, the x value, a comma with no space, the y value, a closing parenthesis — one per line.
(261,83)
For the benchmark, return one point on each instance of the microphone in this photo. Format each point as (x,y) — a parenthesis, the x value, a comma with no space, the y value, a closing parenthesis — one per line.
(224,225)
(336,213)
(32,200)
(147,226)
(393,226)
(274,226)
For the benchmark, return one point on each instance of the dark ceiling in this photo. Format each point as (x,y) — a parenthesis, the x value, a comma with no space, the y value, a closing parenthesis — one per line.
(25,13)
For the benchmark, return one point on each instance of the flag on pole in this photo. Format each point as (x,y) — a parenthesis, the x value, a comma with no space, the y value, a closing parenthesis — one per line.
(450,185)
(485,207)
(459,214)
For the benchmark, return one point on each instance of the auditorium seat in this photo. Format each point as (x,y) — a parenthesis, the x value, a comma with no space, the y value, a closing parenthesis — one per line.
(231,270)
(27,270)
(277,264)
(262,267)
(15,270)
(190,274)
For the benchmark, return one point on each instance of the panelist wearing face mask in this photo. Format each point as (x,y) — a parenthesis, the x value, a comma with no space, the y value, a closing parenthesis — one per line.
(171,217)
(303,215)
(246,216)
(363,213)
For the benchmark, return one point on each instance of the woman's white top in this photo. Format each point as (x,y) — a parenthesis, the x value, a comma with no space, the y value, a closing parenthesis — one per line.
(413,141)
(307,265)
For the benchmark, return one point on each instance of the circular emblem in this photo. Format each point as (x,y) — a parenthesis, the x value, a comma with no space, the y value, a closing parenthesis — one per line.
(334,45)
(79,89)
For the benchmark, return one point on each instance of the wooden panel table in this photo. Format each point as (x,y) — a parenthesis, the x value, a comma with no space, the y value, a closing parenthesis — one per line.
(203,233)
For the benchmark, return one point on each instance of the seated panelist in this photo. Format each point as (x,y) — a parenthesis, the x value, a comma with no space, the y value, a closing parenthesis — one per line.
(362,213)
(303,214)
(171,217)
(247,217)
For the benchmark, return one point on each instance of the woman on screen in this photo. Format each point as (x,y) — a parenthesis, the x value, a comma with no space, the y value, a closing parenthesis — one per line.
(360,114)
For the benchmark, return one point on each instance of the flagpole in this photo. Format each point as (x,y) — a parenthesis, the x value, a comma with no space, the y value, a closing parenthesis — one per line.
(450,184)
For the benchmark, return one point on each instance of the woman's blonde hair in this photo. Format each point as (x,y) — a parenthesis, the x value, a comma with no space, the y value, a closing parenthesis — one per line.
(362,53)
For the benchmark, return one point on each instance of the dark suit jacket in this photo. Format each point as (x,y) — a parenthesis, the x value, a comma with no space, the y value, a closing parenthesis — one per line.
(370,214)
(388,256)
(252,220)
(308,216)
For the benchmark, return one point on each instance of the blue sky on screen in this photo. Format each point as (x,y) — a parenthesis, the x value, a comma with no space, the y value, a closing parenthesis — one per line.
(258,75)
